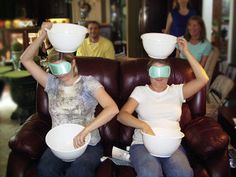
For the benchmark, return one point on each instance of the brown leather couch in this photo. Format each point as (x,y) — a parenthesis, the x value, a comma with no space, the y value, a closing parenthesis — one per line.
(205,141)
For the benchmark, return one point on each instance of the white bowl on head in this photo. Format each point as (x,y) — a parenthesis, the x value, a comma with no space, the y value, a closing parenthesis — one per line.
(158,45)
(66,37)
(164,143)
(60,140)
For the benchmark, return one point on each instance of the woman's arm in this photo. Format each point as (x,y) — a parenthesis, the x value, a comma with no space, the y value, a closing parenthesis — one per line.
(203,60)
(27,57)
(201,79)
(168,23)
(177,53)
(125,117)
(109,111)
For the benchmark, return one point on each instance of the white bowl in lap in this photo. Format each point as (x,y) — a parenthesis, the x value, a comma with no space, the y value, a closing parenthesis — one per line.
(164,143)
(66,37)
(60,140)
(158,45)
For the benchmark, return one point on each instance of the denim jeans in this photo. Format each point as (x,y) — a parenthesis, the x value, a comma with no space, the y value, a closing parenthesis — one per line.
(147,165)
(84,166)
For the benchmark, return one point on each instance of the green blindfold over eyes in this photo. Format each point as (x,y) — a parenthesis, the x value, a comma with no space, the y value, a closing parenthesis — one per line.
(60,68)
(159,72)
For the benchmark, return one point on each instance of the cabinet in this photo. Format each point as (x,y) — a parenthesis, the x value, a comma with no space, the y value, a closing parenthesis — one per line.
(23,35)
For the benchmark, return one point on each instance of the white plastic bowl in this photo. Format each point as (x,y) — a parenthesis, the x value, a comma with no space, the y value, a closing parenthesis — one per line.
(158,45)
(60,140)
(164,143)
(164,123)
(66,37)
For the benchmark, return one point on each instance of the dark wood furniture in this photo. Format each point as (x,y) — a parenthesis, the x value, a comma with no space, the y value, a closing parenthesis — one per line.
(23,92)
(25,35)
(225,118)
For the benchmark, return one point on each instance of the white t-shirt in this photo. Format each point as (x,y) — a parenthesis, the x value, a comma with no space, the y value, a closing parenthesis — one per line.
(152,106)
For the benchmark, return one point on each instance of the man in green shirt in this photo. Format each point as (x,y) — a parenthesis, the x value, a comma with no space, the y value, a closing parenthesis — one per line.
(95,45)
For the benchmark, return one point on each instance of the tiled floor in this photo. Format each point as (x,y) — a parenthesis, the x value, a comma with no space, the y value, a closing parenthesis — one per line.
(8,128)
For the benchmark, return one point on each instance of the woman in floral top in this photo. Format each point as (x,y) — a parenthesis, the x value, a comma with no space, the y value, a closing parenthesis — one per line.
(72,99)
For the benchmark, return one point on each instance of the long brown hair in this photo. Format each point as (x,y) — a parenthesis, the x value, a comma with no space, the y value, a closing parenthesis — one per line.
(200,21)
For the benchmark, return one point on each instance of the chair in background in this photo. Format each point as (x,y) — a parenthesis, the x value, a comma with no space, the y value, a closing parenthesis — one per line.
(211,64)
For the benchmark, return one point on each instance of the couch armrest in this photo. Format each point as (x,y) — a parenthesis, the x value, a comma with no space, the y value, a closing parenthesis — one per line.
(205,137)
(30,138)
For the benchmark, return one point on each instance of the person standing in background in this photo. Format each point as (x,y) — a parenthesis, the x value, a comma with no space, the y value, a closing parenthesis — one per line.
(198,45)
(177,18)
(95,45)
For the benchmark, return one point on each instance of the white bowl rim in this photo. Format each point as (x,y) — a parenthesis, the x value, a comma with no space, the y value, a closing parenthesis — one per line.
(65,151)
(82,28)
(181,134)
(161,34)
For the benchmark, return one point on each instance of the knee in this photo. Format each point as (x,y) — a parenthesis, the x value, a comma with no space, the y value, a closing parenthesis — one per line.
(149,171)
(42,171)
(186,172)
(81,169)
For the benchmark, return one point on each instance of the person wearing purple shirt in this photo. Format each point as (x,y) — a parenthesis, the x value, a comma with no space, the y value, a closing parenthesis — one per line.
(177,19)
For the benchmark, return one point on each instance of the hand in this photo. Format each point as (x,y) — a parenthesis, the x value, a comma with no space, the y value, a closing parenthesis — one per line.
(147,129)
(45,25)
(79,139)
(183,44)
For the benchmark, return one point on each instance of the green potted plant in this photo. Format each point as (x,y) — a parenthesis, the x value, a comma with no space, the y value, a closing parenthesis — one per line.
(16,51)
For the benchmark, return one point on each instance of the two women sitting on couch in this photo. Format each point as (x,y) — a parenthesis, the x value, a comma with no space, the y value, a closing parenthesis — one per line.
(85,92)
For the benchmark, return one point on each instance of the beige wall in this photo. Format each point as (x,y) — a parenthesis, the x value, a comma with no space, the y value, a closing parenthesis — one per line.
(95,13)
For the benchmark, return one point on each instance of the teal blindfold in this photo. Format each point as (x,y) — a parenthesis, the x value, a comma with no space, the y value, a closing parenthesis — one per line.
(60,68)
(159,72)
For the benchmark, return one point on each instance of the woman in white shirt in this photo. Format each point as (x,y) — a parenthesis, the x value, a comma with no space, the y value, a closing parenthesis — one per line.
(160,101)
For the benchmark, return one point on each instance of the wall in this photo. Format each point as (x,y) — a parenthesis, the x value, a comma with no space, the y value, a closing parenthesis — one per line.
(232,35)
(100,11)
(207,7)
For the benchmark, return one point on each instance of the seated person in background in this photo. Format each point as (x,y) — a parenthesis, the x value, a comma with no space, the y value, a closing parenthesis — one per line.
(160,101)
(177,19)
(72,99)
(198,45)
(95,45)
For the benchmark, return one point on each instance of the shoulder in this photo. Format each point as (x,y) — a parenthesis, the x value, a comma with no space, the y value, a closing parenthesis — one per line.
(140,88)
(104,40)
(90,82)
(176,88)
(138,93)
(206,44)
(177,91)
(88,79)
(52,83)
(84,43)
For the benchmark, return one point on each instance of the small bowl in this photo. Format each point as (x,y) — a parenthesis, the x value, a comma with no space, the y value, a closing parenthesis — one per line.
(164,143)
(60,140)
(66,37)
(158,45)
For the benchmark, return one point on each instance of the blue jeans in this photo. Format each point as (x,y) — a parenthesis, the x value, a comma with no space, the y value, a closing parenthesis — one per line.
(147,165)
(84,166)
